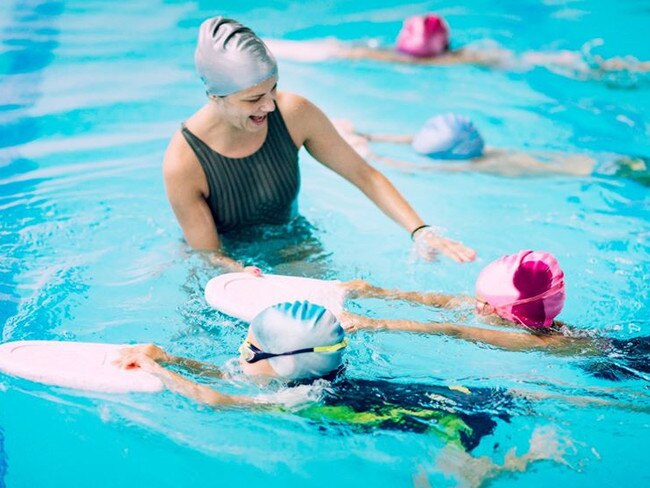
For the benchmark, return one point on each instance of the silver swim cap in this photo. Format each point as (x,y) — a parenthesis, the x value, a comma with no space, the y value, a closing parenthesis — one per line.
(230,57)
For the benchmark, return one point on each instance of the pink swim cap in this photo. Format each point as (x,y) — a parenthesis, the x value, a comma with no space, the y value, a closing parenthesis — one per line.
(526,288)
(423,36)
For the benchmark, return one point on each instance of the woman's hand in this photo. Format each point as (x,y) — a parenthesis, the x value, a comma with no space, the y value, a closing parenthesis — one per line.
(428,244)
(254,270)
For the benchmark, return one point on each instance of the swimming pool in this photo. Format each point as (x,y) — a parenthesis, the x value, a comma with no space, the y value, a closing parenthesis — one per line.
(91,252)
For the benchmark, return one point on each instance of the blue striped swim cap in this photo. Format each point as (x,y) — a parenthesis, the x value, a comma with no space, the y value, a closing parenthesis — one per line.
(288,327)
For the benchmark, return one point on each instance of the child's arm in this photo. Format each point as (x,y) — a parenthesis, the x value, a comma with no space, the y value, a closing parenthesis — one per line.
(363,289)
(158,354)
(507,340)
(138,358)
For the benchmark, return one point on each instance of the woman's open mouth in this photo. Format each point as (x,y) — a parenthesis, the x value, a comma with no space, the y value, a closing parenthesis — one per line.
(258,120)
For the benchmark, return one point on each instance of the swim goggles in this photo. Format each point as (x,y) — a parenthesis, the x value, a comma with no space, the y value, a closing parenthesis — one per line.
(252,354)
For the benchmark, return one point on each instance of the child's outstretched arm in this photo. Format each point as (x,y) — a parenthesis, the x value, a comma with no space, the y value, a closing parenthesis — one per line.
(363,289)
(137,357)
(507,340)
(193,366)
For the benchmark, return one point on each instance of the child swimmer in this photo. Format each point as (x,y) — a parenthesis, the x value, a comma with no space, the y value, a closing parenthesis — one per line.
(525,290)
(301,342)
(454,144)
(425,40)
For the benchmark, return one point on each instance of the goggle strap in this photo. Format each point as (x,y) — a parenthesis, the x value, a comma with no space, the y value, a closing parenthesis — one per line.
(333,348)
(553,289)
(258,355)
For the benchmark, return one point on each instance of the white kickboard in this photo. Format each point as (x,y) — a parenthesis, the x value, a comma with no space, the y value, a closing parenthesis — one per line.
(243,295)
(80,365)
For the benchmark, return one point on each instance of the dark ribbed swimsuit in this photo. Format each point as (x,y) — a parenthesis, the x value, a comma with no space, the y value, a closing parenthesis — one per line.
(258,189)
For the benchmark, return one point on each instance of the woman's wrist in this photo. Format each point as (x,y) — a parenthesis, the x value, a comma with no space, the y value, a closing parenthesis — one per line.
(418,229)
(169,359)
(227,263)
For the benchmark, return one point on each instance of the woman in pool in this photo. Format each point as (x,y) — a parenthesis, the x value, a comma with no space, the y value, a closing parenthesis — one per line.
(455,144)
(234,163)
(424,40)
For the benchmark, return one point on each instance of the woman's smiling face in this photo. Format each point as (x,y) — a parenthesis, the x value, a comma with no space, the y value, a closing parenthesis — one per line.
(248,109)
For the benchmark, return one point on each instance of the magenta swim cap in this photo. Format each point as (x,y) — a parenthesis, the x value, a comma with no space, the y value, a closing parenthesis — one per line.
(423,36)
(526,288)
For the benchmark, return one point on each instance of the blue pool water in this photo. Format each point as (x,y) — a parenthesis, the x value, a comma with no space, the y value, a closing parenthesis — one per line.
(89,250)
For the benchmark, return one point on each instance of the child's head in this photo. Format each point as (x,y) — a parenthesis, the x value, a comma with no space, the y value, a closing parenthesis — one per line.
(423,36)
(296,340)
(526,288)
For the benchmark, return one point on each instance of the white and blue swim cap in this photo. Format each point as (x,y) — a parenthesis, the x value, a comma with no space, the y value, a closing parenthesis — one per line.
(448,136)
(229,57)
(293,326)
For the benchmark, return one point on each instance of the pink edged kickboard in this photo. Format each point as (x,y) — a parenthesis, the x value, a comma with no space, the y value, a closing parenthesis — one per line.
(79,365)
(243,295)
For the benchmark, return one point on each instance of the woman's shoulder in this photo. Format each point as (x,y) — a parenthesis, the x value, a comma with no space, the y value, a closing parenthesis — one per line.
(196,124)
(179,151)
(293,105)
(179,160)
(300,115)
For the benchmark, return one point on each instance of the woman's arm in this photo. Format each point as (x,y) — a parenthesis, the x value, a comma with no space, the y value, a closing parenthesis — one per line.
(326,145)
(186,188)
